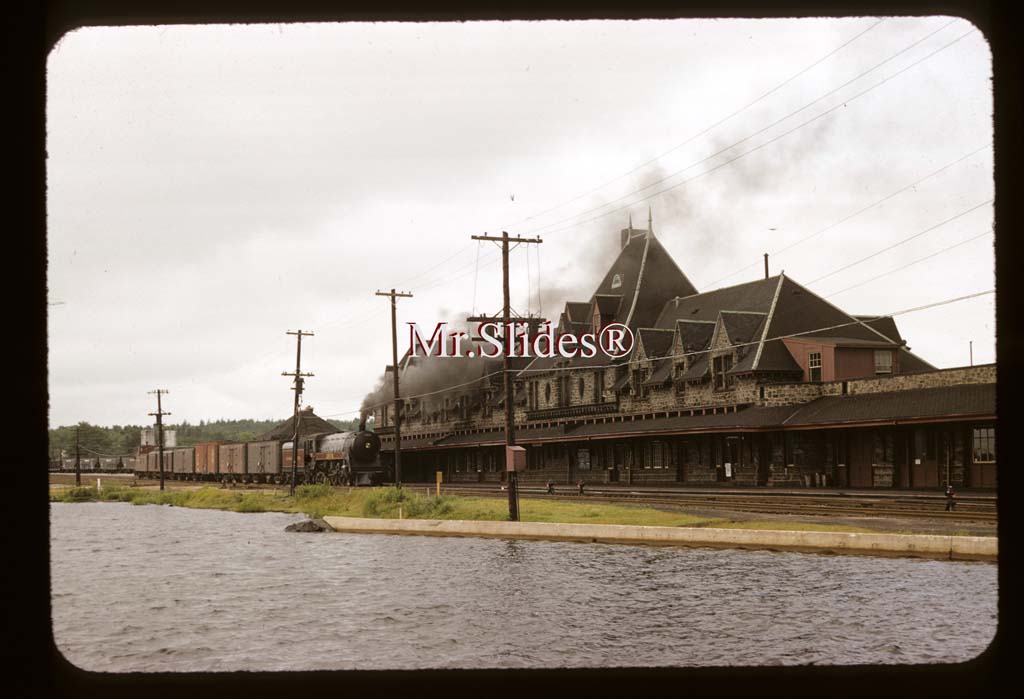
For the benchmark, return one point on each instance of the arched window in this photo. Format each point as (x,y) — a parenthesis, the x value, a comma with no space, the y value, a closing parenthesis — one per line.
(547,392)
(581,387)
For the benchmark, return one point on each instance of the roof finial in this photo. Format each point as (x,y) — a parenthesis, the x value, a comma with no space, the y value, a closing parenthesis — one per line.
(630,220)
(650,220)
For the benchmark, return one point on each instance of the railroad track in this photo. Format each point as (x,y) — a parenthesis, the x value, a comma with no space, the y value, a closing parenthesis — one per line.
(979,509)
(969,508)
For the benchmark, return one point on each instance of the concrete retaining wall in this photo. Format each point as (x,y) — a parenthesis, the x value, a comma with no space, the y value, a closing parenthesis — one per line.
(926,545)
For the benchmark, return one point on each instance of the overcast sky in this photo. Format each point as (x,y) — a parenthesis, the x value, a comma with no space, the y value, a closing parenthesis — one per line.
(211,187)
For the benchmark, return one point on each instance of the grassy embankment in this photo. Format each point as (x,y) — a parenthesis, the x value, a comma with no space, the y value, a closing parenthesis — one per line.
(318,501)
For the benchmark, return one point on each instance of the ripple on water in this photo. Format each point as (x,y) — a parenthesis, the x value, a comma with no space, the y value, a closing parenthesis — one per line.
(239,593)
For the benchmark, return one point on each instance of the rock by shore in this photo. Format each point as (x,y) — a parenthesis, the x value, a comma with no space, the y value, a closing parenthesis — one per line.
(309,525)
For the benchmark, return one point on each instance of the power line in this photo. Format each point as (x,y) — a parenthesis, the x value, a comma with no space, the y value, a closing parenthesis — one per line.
(905,311)
(766,94)
(782,337)
(855,213)
(901,242)
(741,155)
(706,129)
(451,278)
(910,264)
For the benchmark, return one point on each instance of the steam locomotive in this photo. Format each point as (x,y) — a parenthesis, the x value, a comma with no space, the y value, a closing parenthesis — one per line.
(335,458)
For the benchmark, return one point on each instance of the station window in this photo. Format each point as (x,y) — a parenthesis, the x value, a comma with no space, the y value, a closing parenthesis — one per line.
(547,392)
(814,365)
(883,362)
(721,365)
(582,385)
(984,444)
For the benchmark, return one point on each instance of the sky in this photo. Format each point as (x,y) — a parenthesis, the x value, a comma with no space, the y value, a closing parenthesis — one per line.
(211,187)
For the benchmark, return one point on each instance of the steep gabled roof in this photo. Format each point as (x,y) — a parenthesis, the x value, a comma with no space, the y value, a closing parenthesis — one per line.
(799,310)
(750,296)
(698,368)
(577,311)
(883,324)
(695,334)
(773,357)
(608,304)
(646,276)
(662,373)
(656,341)
(910,362)
(742,326)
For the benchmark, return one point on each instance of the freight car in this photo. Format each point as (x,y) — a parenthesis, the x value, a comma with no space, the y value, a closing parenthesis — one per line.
(337,458)
(99,464)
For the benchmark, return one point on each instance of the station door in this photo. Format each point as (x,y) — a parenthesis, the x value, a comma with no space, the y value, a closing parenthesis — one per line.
(861,455)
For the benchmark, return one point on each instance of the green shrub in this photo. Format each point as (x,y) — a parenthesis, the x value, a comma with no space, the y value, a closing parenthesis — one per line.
(310,492)
(251,503)
(81,494)
(385,502)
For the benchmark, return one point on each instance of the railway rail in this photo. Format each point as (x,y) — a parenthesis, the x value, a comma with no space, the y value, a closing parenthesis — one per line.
(978,508)
(970,507)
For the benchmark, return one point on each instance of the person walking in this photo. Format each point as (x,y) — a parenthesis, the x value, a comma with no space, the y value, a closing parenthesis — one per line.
(551,488)
(579,484)
(950,498)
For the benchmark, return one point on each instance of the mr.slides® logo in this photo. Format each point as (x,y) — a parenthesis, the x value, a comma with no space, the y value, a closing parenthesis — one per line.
(614,340)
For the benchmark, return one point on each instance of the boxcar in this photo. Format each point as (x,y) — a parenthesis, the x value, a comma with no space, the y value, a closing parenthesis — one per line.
(184,463)
(207,460)
(264,460)
(232,462)
(153,462)
(108,463)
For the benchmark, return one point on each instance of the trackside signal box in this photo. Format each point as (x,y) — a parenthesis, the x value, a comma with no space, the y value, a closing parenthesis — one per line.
(515,459)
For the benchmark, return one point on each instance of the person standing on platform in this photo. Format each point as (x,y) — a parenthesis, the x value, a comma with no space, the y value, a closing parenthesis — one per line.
(950,498)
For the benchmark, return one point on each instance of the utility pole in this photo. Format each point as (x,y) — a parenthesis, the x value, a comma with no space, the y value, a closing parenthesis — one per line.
(395,295)
(78,458)
(298,393)
(160,430)
(506,364)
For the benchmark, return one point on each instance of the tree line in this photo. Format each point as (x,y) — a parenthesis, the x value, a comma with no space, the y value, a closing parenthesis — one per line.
(124,440)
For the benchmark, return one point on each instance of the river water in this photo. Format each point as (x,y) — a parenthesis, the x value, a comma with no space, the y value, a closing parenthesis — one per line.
(157,588)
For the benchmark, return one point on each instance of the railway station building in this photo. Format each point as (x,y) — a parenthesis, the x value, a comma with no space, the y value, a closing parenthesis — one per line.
(763,383)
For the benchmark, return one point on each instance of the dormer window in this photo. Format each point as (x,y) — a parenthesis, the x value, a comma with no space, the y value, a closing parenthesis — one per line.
(883,362)
(814,366)
(720,366)
(616,281)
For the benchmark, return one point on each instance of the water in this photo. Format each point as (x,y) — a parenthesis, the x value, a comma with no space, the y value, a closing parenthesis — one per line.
(152,589)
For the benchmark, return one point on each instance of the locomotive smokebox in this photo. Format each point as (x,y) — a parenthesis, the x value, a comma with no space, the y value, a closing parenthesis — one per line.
(365,447)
